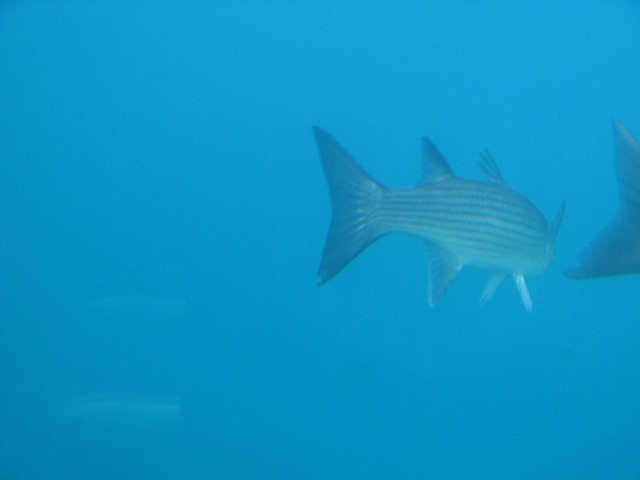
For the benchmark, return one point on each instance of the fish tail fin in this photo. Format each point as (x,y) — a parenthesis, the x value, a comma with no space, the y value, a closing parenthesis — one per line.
(355,200)
(616,249)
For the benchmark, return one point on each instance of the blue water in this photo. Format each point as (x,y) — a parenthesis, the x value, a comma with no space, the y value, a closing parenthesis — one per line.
(163,214)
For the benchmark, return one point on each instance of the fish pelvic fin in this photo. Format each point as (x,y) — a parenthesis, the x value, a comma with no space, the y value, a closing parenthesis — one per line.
(355,200)
(524,292)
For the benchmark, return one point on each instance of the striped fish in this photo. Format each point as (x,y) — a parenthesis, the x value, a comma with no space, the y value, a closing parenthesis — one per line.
(485,225)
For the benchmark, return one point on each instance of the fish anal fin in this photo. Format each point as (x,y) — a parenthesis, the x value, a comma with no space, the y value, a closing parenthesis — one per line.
(491,287)
(442,272)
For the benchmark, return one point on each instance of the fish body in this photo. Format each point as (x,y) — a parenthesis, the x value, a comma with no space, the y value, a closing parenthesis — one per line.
(485,225)
(616,249)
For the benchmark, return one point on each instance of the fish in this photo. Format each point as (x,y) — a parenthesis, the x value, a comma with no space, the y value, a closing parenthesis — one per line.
(464,223)
(616,249)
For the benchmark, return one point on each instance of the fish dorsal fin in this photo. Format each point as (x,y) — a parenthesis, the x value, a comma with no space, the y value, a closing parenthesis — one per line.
(442,271)
(434,167)
(490,168)
(628,167)
(554,226)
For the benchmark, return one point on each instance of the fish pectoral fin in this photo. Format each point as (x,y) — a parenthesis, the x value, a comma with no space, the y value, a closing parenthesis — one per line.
(442,271)
(524,293)
(491,287)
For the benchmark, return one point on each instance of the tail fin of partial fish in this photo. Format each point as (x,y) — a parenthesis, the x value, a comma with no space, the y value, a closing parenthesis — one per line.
(616,249)
(355,198)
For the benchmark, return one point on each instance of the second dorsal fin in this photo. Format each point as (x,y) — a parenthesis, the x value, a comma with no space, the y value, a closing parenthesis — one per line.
(490,168)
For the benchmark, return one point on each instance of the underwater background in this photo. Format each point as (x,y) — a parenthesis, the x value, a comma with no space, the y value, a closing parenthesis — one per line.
(164,210)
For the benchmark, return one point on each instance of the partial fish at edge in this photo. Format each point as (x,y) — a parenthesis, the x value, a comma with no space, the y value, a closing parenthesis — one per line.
(616,249)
